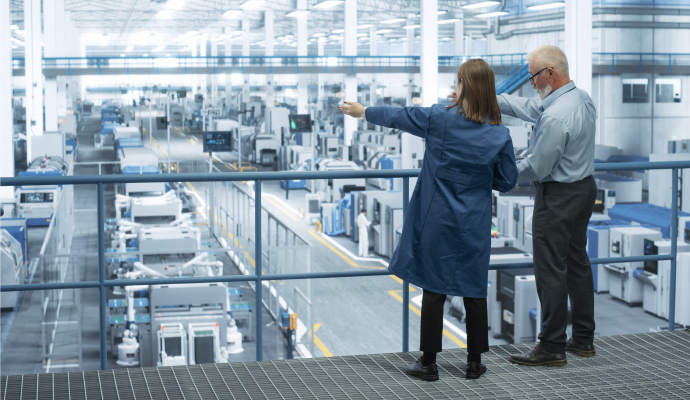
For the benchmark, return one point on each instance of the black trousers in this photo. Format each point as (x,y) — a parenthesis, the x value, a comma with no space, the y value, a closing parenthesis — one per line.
(561,265)
(431,332)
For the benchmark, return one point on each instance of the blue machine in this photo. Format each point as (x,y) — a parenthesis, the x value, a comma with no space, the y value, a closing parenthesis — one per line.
(392,162)
(598,245)
(108,127)
(650,215)
(127,143)
(37,203)
(17,228)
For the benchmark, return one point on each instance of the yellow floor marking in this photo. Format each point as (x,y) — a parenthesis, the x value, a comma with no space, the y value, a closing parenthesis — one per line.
(343,256)
(166,154)
(319,343)
(400,281)
(180,133)
(276,205)
(416,310)
(191,186)
(192,143)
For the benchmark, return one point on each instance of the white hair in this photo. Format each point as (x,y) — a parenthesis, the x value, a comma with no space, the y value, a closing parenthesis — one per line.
(549,56)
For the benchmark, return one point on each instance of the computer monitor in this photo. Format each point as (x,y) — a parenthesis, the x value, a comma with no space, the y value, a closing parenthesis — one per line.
(215,141)
(300,123)
(181,94)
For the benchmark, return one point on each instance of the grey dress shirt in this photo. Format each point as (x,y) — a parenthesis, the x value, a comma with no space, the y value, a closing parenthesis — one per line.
(562,144)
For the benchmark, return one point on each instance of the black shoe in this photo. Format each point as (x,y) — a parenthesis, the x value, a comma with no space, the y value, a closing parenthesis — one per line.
(586,350)
(474,370)
(538,356)
(429,373)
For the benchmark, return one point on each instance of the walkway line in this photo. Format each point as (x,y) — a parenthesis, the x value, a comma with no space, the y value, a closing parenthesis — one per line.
(319,343)
(279,207)
(449,335)
(336,251)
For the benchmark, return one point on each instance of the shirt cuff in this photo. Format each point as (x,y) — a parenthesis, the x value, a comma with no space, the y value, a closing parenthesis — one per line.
(364,116)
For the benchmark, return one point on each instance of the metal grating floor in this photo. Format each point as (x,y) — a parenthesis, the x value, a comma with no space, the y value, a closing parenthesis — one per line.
(637,366)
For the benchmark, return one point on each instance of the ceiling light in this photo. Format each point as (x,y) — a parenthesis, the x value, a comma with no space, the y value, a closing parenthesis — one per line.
(335,37)
(481,4)
(18,41)
(159,48)
(362,34)
(251,4)
(492,14)
(380,31)
(123,55)
(547,6)
(174,4)
(164,14)
(298,13)
(319,34)
(145,55)
(19,31)
(364,26)
(450,21)
(410,26)
(327,4)
(129,48)
(322,39)
(14,27)
(338,31)
(233,14)
(442,12)
(393,21)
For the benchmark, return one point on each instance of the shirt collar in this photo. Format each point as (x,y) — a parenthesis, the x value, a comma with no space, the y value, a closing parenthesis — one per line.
(550,99)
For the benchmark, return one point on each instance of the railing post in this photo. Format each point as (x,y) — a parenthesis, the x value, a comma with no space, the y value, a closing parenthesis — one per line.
(674,250)
(669,64)
(406,285)
(257,269)
(101,276)
(613,63)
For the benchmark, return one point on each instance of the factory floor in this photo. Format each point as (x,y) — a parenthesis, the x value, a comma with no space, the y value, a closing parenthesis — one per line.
(349,315)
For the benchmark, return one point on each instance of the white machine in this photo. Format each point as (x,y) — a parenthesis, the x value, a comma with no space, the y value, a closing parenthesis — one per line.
(374,162)
(204,343)
(224,124)
(37,203)
(11,267)
(122,132)
(312,210)
(660,182)
(628,242)
(234,338)
(509,218)
(155,209)
(277,121)
(172,340)
(628,190)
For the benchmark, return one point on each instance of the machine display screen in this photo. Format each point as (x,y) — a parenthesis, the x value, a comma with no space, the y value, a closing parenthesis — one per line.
(300,123)
(217,141)
(173,346)
(36,197)
(203,349)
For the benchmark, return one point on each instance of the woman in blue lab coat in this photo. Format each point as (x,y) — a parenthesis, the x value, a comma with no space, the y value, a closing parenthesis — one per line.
(445,242)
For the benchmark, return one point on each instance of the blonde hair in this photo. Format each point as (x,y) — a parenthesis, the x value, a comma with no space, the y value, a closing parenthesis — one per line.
(549,56)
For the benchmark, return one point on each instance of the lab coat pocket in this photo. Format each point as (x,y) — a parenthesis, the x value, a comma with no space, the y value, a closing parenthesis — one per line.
(453,176)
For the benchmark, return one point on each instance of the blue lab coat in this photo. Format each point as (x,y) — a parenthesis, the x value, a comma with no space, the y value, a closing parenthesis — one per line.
(446,238)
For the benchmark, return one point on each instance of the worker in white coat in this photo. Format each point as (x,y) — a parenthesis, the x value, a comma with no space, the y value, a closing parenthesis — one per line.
(363,225)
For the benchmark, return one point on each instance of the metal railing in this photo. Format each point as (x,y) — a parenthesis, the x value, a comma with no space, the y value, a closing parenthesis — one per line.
(641,59)
(258,277)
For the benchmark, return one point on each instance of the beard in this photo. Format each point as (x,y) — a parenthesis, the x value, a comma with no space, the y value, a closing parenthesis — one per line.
(543,93)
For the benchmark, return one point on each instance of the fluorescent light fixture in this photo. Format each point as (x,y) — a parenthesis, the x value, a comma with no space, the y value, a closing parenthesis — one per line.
(19,31)
(327,4)
(233,14)
(190,33)
(492,14)
(393,21)
(298,13)
(547,6)
(129,48)
(157,49)
(14,27)
(441,12)
(319,34)
(481,4)
(145,55)
(362,34)
(123,55)
(167,54)
(19,42)
(449,21)
(322,39)
(335,37)
(411,26)
(164,14)
(364,26)
(174,4)
(380,31)
(338,31)
(251,4)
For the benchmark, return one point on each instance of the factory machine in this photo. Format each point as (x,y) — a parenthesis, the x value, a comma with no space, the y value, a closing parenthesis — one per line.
(655,277)
(37,203)
(598,246)
(513,219)
(388,216)
(149,210)
(376,202)
(12,267)
(650,215)
(628,190)
(329,187)
(140,160)
(628,242)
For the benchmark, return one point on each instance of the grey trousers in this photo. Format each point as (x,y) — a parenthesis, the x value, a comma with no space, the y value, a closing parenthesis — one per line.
(561,265)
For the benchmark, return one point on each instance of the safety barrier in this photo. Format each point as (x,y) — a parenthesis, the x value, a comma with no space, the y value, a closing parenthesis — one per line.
(259,277)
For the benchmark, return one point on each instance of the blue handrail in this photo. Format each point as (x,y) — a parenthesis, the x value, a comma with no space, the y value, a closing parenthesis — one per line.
(259,177)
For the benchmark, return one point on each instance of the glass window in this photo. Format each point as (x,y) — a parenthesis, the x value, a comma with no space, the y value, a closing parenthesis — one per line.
(635,90)
(668,91)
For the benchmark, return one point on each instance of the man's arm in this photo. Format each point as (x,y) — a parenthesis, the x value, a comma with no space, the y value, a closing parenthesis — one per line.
(520,107)
(547,152)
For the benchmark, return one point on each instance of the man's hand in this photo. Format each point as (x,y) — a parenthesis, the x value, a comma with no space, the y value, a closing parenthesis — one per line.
(352,109)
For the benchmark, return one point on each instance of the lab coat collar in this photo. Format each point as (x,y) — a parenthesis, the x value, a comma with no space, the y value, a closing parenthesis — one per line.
(550,99)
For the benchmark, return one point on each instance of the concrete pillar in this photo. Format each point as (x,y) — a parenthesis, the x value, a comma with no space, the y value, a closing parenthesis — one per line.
(6,147)
(245,53)
(51,23)
(459,45)
(373,51)
(409,51)
(203,82)
(60,34)
(268,39)
(350,49)
(214,77)
(195,80)
(228,62)
(578,42)
(33,73)
(321,95)
(302,79)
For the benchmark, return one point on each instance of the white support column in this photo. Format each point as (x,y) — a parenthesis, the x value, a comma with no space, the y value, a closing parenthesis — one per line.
(578,42)
(61,30)
(321,95)
(302,79)
(429,56)
(459,45)
(214,76)
(268,39)
(245,53)
(409,51)
(6,147)
(373,51)
(350,49)
(203,82)
(195,80)
(228,62)
(50,25)
(33,76)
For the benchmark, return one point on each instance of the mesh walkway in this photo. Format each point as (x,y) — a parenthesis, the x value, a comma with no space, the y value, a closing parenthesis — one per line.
(637,366)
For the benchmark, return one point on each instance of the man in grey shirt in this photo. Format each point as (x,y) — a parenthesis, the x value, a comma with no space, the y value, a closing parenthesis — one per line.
(560,165)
